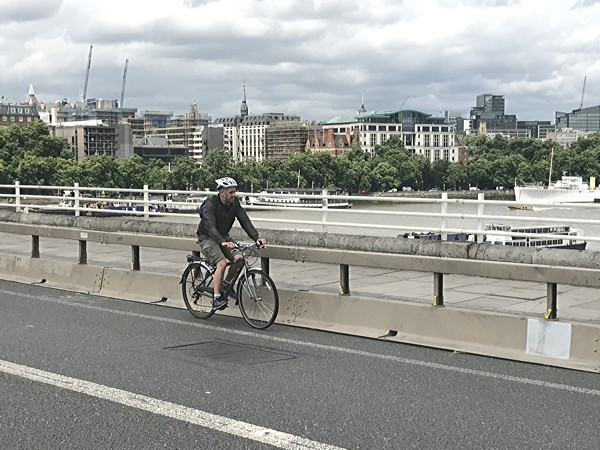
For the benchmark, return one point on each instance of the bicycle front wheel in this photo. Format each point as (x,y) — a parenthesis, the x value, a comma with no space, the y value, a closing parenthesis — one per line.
(197,291)
(258,298)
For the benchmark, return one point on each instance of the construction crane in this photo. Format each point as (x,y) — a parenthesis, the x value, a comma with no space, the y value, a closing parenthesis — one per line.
(123,86)
(404,102)
(87,75)
(582,92)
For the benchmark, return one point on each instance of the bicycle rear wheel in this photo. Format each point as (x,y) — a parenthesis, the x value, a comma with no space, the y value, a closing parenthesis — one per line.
(197,290)
(258,298)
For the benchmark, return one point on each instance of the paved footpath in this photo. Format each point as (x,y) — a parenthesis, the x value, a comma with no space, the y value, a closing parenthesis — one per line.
(506,296)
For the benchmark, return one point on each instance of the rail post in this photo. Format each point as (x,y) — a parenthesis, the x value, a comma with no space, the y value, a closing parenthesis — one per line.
(82,252)
(35,246)
(17,196)
(444,235)
(438,289)
(551,313)
(76,199)
(480,224)
(265,264)
(135,257)
(344,279)
(146,202)
(325,204)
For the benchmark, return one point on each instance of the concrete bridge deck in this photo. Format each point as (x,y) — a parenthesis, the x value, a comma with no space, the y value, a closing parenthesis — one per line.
(505,296)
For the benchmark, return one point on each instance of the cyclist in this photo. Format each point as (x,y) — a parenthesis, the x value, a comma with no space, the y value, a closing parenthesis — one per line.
(220,212)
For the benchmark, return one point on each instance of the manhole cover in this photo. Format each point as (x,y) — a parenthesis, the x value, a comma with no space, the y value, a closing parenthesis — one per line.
(232,353)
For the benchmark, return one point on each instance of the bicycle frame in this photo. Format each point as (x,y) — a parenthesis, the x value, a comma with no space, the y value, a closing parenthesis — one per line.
(254,291)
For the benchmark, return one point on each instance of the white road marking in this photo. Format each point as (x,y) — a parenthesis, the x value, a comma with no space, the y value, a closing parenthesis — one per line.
(167,409)
(415,362)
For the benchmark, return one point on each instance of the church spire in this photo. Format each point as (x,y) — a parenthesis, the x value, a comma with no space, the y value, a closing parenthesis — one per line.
(244,108)
(31,99)
(362,106)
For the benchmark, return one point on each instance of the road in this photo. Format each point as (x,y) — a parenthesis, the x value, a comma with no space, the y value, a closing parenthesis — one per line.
(82,371)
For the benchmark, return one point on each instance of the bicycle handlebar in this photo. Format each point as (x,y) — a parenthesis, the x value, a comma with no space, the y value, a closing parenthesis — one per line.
(243,247)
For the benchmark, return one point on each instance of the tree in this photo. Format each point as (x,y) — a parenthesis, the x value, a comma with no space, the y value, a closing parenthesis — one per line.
(456,175)
(97,171)
(182,173)
(4,176)
(68,172)
(155,174)
(219,164)
(385,176)
(130,172)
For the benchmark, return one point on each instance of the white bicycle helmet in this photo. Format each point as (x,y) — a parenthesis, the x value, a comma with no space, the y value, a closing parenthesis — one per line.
(226,182)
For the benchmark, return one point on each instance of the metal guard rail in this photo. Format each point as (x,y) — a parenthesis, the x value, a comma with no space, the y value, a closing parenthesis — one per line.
(439,258)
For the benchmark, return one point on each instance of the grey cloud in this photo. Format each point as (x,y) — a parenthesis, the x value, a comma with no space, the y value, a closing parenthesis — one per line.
(28,10)
(585,4)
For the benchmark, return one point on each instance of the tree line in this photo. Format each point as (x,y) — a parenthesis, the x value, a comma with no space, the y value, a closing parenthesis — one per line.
(33,157)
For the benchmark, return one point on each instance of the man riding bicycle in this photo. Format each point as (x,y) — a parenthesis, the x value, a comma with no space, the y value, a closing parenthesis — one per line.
(220,212)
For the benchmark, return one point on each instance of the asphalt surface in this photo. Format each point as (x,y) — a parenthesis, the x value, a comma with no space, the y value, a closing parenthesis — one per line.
(145,376)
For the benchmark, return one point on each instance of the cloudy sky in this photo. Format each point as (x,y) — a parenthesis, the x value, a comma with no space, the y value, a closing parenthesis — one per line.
(314,58)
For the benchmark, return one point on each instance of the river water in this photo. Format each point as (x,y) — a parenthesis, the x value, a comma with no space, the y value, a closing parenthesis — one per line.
(364,216)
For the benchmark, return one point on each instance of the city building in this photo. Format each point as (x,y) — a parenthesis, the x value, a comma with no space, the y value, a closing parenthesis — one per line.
(185,130)
(244,135)
(326,139)
(538,129)
(284,138)
(457,120)
(13,113)
(158,147)
(94,137)
(582,119)
(97,109)
(566,136)
(420,133)
(20,114)
(489,109)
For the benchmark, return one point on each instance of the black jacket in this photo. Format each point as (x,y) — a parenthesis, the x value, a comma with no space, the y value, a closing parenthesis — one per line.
(218,218)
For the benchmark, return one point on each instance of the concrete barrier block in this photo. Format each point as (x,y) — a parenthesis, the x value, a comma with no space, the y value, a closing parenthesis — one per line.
(458,329)
(75,277)
(142,286)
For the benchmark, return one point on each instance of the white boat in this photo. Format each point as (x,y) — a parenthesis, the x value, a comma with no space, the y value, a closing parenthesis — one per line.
(297,198)
(573,237)
(566,190)
(190,206)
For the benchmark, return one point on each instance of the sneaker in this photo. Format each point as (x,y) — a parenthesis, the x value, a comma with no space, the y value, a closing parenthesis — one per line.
(219,303)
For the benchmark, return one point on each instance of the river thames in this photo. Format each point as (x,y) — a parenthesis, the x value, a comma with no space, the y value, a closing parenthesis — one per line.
(364,216)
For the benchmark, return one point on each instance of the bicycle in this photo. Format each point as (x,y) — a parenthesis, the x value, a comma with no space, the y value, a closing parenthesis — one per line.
(255,292)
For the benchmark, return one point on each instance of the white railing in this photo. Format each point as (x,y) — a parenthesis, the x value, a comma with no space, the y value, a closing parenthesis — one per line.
(144,202)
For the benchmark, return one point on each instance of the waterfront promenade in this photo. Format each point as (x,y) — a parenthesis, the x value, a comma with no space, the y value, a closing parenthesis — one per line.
(504,296)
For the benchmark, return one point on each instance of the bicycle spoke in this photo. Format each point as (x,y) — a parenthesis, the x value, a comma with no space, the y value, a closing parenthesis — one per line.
(258,299)
(196,290)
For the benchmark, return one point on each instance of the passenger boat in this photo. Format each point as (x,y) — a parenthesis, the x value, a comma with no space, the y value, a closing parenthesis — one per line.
(573,237)
(520,208)
(566,190)
(65,206)
(190,206)
(298,198)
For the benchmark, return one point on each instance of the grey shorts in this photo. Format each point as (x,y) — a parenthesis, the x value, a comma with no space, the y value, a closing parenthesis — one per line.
(213,252)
